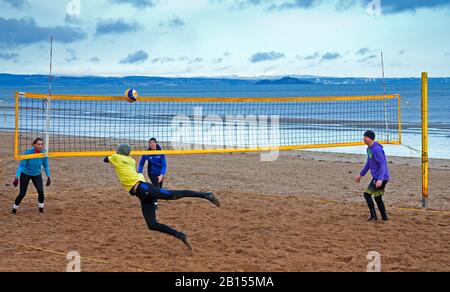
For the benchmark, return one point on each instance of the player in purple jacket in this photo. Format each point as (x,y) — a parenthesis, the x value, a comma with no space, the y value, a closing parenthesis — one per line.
(376,163)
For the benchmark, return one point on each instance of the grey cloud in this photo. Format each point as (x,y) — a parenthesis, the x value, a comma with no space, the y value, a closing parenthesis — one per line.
(371,57)
(135,58)
(8,56)
(136,3)
(362,51)
(266,56)
(18,4)
(330,56)
(26,31)
(115,26)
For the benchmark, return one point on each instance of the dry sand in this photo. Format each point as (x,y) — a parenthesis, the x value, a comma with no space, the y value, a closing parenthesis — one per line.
(302,212)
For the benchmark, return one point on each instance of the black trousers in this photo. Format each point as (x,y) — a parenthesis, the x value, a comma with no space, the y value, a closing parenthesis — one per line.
(148,193)
(154,180)
(24,182)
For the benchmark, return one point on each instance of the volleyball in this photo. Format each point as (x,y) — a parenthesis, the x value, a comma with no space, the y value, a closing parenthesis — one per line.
(131,95)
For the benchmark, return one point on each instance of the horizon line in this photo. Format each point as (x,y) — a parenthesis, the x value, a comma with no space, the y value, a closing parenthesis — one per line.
(216,76)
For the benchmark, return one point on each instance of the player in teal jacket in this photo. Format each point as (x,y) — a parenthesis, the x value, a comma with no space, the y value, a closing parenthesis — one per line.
(31,170)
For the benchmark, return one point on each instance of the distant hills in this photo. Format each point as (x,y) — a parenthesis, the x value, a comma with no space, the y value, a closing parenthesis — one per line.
(136,81)
(284,81)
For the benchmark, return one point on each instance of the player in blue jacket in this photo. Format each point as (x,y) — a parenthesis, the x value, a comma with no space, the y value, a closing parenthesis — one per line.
(157,164)
(31,170)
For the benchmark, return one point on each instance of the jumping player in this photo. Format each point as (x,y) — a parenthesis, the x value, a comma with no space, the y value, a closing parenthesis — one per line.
(135,184)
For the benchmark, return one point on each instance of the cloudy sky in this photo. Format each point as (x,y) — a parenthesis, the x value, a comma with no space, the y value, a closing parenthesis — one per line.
(226,37)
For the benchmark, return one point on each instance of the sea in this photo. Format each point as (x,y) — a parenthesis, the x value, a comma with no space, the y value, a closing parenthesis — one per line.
(409,89)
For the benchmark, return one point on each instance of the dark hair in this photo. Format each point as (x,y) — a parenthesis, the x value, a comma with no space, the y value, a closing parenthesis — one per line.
(37,140)
(370,134)
(157,145)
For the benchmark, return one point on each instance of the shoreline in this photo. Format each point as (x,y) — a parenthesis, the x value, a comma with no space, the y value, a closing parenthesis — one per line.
(319,154)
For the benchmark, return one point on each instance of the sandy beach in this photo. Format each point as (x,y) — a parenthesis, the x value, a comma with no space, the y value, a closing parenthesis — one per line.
(302,212)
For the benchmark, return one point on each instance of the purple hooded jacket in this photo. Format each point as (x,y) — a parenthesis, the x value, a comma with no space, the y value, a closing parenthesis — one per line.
(376,162)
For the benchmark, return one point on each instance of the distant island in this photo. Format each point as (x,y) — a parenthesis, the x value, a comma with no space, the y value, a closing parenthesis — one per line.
(20,81)
(283,81)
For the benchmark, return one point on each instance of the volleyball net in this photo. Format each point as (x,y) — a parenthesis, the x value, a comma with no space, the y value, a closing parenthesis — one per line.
(95,125)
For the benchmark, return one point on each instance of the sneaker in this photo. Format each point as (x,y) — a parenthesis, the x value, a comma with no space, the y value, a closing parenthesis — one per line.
(181,236)
(14,211)
(213,199)
(41,210)
(373,215)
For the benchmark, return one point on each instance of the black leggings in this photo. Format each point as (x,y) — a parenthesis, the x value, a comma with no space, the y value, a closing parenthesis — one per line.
(24,182)
(380,204)
(148,193)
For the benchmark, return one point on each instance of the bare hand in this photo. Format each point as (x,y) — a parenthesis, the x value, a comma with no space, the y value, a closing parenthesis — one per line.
(379,184)
(160,178)
(358,179)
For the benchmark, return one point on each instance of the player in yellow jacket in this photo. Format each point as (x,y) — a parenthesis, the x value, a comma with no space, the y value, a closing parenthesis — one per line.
(135,184)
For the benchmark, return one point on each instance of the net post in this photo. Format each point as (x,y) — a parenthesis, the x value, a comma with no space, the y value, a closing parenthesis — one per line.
(16,128)
(425,194)
(47,126)
(47,111)
(1,164)
(399,117)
